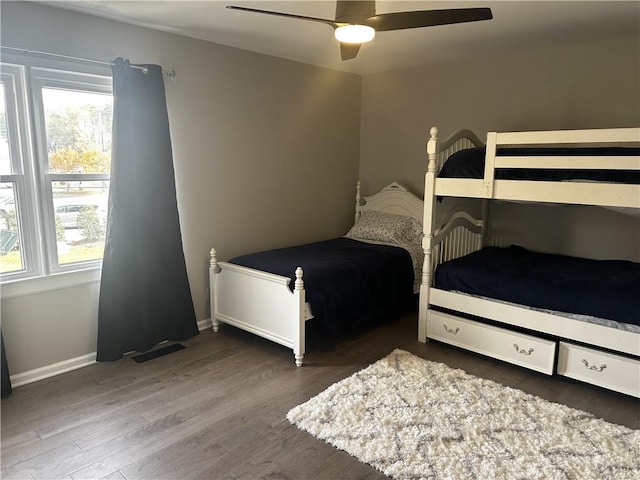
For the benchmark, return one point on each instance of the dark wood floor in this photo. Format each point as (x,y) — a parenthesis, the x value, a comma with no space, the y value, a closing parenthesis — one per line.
(217,409)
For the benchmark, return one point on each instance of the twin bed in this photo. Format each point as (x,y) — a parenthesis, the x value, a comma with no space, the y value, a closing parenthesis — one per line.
(341,282)
(508,303)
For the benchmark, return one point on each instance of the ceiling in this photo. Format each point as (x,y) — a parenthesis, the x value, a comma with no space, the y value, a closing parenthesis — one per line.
(516,25)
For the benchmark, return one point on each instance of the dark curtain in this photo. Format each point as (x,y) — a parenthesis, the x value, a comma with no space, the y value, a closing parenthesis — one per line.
(6,381)
(144,291)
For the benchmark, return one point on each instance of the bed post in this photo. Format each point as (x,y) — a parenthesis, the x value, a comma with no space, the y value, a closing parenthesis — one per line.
(427,226)
(357,217)
(485,224)
(299,336)
(214,269)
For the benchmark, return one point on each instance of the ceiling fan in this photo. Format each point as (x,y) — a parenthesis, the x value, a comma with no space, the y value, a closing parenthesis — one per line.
(356,21)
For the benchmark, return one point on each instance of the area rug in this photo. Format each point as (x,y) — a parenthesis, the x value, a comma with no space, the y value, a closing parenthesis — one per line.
(412,418)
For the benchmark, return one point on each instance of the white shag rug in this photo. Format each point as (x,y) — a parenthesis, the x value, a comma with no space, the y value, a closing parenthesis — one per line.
(415,419)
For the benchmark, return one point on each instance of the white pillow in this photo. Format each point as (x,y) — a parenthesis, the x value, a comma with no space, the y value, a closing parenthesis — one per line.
(386,227)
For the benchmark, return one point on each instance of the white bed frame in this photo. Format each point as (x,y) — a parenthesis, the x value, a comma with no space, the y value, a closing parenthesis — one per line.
(563,344)
(262,303)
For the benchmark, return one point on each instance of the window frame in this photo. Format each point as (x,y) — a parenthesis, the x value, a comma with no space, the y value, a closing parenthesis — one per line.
(35,206)
(21,154)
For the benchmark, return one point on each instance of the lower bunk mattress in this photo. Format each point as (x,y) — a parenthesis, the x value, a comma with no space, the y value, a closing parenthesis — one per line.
(600,288)
(347,282)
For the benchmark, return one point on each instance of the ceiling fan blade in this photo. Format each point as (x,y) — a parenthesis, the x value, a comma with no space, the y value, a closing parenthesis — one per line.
(288,15)
(349,50)
(353,11)
(427,18)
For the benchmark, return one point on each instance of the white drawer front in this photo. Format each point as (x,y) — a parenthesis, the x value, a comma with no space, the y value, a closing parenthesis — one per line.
(524,350)
(600,368)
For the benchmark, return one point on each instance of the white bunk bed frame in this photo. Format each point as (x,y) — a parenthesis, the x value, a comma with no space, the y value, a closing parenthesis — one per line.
(262,303)
(563,345)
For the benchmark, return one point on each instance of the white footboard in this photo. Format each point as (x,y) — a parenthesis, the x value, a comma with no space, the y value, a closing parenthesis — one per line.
(260,303)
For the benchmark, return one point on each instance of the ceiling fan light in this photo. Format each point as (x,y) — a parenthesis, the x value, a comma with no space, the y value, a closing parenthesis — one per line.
(355,33)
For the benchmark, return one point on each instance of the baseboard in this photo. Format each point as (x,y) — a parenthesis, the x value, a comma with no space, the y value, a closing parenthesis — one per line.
(204,324)
(71,364)
(52,370)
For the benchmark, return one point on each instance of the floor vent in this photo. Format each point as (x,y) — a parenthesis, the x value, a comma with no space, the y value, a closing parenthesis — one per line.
(159,352)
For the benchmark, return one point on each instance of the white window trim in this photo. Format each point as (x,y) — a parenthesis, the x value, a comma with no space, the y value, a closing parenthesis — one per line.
(47,283)
(22,163)
(42,272)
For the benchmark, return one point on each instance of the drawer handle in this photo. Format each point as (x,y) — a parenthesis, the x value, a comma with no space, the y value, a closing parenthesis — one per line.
(451,330)
(593,367)
(523,350)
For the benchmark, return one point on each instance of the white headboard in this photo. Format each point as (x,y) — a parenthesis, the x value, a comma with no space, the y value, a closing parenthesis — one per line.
(458,141)
(393,198)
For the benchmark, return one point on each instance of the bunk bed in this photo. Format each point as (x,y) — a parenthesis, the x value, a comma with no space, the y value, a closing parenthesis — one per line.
(484,297)
(347,281)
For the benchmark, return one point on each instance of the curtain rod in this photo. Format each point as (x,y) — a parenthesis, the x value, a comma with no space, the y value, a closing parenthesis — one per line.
(171,73)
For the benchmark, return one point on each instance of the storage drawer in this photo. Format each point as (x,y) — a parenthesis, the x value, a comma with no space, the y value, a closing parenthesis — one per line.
(524,350)
(600,368)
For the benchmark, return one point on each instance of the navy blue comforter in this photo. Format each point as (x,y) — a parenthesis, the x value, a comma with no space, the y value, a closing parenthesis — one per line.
(601,288)
(469,163)
(347,282)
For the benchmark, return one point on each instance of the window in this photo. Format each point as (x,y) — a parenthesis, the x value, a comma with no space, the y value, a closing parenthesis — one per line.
(55,156)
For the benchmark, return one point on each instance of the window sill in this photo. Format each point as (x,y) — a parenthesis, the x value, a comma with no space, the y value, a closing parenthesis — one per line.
(30,286)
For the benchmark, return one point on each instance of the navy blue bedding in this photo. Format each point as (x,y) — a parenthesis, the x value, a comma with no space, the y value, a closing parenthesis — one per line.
(601,288)
(469,163)
(347,282)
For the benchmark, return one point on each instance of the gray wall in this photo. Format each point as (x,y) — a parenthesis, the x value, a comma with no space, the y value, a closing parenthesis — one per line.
(590,85)
(258,142)
(262,159)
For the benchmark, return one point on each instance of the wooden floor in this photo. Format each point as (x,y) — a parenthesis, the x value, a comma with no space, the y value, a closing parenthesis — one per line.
(216,410)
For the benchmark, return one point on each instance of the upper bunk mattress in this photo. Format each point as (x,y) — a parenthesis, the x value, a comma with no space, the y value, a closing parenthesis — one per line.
(469,163)
(600,288)
(347,282)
